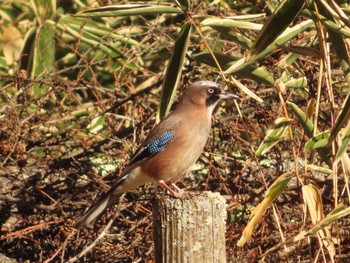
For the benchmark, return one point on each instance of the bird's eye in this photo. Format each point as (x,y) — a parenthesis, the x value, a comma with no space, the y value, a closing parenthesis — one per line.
(211,90)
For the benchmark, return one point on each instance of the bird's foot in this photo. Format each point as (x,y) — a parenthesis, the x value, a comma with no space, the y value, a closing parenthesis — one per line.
(173,190)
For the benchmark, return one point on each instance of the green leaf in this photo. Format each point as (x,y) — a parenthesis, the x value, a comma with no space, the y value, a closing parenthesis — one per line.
(96,125)
(84,111)
(28,50)
(273,135)
(174,70)
(330,25)
(318,141)
(338,212)
(308,128)
(235,37)
(337,40)
(315,168)
(342,118)
(230,23)
(344,144)
(129,10)
(7,14)
(278,186)
(259,74)
(44,9)
(281,18)
(298,83)
(3,66)
(96,30)
(287,35)
(305,122)
(272,193)
(44,53)
(248,17)
(228,29)
(74,27)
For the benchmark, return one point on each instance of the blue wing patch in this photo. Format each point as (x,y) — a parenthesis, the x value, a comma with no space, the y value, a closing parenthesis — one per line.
(153,147)
(159,144)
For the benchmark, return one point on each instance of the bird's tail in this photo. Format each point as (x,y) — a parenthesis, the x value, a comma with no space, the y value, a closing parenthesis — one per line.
(97,209)
(125,182)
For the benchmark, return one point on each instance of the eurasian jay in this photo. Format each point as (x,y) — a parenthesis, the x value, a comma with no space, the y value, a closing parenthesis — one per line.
(170,149)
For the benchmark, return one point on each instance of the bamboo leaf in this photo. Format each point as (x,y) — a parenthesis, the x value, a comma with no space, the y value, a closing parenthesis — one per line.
(344,144)
(173,71)
(283,38)
(234,36)
(3,66)
(74,29)
(95,30)
(315,168)
(41,53)
(44,53)
(318,141)
(281,18)
(230,23)
(28,49)
(129,10)
(305,122)
(329,24)
(259,74)
(342,52)
(308,128)
(272,193)
(7,13)
(298,83)
(96,125)
(302,50)
(313,200)
(342,118)
(243,88)
(44,9)
(273,135)
(337,213)
(288,60)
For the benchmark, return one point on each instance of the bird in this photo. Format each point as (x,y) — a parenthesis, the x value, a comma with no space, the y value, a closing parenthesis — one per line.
(170,149)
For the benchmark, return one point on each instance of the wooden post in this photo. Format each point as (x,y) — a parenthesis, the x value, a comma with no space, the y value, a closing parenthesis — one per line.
(190,230)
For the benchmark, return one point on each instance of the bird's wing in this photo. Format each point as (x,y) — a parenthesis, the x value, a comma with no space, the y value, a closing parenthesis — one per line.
(156,141)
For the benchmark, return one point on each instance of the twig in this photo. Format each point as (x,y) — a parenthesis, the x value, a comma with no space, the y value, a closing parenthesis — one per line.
(28,203)
(62,247)
(93,244)
(31,229)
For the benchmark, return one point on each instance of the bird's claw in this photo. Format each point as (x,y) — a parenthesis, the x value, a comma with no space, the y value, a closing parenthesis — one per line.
(173,190)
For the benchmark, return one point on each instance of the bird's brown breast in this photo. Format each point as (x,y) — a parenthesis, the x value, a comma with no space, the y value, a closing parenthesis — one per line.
(178,157)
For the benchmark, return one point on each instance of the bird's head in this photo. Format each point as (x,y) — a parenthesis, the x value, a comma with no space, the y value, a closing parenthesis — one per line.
(207,93)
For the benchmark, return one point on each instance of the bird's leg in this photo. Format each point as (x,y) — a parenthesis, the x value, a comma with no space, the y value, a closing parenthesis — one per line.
(166,187)
(175,187)
(172,189)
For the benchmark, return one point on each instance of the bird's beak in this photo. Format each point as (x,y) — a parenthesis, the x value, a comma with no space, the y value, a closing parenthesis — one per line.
(228,96)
